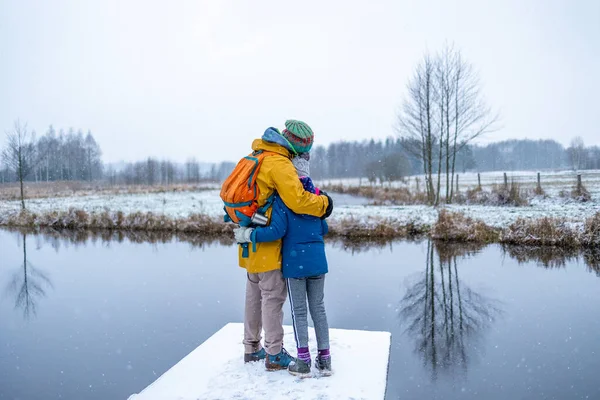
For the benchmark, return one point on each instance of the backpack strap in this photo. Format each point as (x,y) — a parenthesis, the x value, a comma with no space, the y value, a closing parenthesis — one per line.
(267,204)
(263,210)
(245,252)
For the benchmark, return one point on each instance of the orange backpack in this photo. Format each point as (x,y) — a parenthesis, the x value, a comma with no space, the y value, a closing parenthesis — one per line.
(240,191)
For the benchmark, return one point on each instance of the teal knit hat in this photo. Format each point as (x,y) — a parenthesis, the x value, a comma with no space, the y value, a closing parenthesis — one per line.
(299,135)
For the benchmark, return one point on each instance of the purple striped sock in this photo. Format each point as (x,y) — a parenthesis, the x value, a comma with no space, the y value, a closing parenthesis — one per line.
(303,354)
(324,354)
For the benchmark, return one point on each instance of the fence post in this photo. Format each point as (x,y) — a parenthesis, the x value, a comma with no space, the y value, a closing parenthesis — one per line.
(539,182)
(457,183)
(479,180)
(505,180)
(579,183)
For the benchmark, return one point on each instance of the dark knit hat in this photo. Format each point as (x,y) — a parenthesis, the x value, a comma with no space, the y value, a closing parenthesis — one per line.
(299,135)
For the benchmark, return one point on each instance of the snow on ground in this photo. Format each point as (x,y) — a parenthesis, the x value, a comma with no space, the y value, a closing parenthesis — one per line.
(172,204)
(492,216)
(552,181)
(216,370)
(183,204)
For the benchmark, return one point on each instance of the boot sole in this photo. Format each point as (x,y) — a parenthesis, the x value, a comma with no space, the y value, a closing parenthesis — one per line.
(275,367)
(302,375)
(252,359)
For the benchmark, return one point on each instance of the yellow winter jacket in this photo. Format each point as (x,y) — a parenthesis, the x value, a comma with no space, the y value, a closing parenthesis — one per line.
(277,173)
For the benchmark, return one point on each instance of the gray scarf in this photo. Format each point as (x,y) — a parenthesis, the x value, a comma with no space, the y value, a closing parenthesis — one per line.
(302,165)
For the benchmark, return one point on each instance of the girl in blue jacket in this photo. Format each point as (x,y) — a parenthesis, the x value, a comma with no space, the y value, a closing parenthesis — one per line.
(304,266)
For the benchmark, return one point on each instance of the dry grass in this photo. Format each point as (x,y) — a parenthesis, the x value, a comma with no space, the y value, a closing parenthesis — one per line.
(499,195)
(40,190)
(538,191)
(381,194)
(79,219)
(453,226)
(450,226)
(541,232)
(591,232)
(581,194)
(512,195)
(354,229)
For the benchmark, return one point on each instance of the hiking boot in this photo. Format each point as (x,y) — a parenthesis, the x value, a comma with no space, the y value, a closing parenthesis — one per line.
(323,365)
(299,368)
(278,361)
(256,356)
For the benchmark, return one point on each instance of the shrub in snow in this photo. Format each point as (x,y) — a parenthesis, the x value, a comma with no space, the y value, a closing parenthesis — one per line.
(581,194)
(457,226)
(591,231)
(544,231)
(512,195)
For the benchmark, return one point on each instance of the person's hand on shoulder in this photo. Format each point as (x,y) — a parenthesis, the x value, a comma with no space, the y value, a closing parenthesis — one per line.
(329,206)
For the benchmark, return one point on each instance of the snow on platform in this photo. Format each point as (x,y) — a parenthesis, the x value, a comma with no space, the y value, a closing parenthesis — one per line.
(216,370)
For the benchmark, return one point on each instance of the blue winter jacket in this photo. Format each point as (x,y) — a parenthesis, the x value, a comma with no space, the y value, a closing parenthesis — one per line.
(303,250)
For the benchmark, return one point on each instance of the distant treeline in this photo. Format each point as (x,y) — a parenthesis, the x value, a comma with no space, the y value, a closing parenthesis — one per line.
(73,156)
(522,155)
(153,171)
(60,156)
(392,159)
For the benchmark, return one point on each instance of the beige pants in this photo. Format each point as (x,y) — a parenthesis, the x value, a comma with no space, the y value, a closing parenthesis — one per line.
(265,294)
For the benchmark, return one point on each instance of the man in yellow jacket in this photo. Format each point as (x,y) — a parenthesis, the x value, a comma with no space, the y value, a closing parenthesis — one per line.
(265,288)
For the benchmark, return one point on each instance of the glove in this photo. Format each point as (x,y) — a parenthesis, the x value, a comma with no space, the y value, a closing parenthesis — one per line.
(329,207)
(242,234)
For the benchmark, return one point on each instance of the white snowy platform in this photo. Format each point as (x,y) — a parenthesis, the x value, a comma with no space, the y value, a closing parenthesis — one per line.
(216,370)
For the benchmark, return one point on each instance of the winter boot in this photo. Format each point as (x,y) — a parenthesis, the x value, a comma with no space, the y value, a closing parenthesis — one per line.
(299,368)
(323,364)
(278,361)
(256,356)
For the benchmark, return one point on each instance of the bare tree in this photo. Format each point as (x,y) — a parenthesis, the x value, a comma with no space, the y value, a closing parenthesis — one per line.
(472,116)
(93,163)
(576,152)
(20,154)
(416,119)
(442,113)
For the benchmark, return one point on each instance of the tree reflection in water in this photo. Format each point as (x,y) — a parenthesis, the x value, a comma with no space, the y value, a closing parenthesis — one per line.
(445,317)
(28,285)
(555,257)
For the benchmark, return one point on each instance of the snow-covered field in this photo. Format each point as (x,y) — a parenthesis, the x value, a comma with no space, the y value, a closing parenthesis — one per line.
(552,181)
(184,204)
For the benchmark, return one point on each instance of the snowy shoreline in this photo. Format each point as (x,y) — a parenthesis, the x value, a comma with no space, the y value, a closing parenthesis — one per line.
(201,212)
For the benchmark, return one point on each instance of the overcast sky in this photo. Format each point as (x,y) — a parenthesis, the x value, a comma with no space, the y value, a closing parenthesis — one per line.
(176,79)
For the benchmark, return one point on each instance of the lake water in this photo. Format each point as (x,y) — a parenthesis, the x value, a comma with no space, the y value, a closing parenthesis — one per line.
(102,316)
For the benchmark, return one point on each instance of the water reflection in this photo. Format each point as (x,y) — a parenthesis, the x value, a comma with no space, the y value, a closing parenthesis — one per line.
(58,238)
(446,318)
(28,285)
(549,257)
(555,257)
